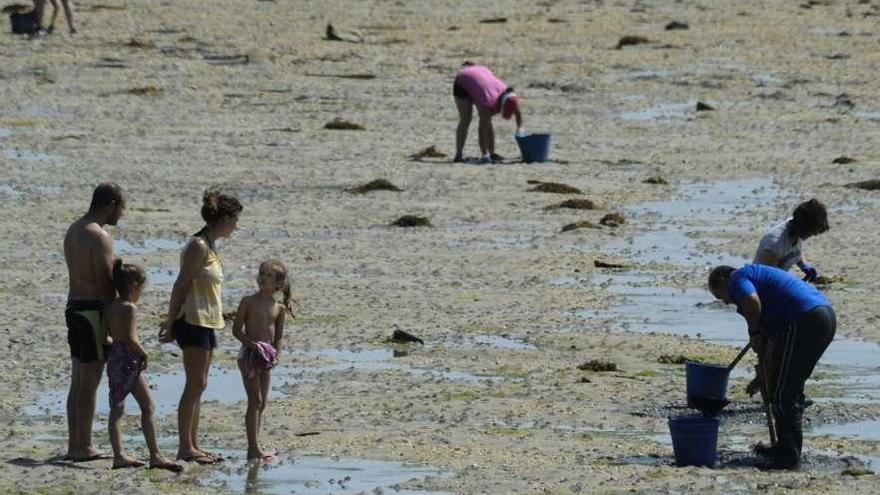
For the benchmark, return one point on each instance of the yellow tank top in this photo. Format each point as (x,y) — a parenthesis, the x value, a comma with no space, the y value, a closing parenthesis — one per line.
(203,305)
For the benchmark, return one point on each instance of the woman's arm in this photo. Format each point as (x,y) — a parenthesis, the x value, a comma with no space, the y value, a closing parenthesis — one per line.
(193,259)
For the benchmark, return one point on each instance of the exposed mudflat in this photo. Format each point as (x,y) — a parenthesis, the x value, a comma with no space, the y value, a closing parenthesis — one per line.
(237,95)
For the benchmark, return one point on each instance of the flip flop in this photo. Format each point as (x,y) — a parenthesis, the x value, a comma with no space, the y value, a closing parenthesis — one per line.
(169,466)
(94,457)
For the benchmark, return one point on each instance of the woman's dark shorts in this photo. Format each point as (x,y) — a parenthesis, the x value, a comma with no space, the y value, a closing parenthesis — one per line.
(459,92)
(189,335)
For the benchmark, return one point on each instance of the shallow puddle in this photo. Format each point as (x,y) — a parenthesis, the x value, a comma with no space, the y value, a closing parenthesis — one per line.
(28,155)
(316,475)
(5,133)
(668,111)
(148,246)
(225,383)
(849,368)
(9,190)
(862,430)
(688,229)
(162,275)
(868,115)
(224,386)
(812,461)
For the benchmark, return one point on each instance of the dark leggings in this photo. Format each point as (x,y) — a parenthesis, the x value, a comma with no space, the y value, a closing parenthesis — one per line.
(794,356)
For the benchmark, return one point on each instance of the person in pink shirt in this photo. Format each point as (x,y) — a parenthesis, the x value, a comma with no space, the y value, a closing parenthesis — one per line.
(475,85)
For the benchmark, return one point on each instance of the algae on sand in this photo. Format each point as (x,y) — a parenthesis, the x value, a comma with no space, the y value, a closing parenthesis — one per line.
(597,365)
(554,187)
(338,124)
(374,185)
(412,221)
(583,224)
(574,204)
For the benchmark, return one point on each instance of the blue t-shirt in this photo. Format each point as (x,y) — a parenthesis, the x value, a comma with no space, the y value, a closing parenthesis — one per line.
(784,297)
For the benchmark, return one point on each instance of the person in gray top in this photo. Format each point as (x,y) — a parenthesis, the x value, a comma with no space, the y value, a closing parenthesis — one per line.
(781,246)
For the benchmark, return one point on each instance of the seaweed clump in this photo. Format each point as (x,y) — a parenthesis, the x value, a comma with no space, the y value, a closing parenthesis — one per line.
(374,185)
(429,152)
(338,124)
(613,220)
(867,185)
(583,224)
(553,187)
(657,180)
(598,366)
(574,204)
(412,221)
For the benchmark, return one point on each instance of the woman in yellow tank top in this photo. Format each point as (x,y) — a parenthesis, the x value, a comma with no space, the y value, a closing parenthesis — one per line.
(195,312)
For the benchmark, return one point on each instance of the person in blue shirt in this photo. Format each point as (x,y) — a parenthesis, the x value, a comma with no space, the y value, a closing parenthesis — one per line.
(790,325)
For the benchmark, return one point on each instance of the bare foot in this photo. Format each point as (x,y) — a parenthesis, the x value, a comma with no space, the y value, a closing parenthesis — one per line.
(163,463)
(125,461)
(196,456)
(261,455)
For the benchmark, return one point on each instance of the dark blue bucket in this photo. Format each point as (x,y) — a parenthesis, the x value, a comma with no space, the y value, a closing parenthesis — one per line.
(534,147)
(694,440)
(706,381)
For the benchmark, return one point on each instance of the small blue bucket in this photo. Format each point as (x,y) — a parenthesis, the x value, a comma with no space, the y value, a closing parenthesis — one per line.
(534,147)
(706,381)
(694,440)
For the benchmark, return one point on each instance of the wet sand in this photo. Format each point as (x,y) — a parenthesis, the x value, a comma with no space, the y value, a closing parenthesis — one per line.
(238,97)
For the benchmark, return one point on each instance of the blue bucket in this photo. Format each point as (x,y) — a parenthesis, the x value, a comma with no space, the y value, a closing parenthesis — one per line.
(534,147)
(694,440)
(706,381)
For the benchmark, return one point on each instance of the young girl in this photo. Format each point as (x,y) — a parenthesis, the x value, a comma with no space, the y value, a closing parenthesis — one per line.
(259,325)
(125,362)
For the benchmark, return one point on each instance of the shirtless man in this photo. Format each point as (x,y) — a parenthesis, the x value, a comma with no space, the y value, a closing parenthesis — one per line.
(88,251)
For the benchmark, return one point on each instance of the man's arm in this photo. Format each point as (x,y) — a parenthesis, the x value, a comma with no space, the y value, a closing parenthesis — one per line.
(750,309)
(102,263)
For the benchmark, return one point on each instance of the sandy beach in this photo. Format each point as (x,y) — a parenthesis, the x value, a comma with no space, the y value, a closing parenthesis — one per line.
(168,98)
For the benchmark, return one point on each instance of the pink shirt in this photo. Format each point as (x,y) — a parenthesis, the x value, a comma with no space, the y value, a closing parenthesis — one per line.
(481,85)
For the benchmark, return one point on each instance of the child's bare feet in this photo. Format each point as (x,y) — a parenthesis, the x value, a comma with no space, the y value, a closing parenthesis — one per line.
(196,456)
(261,455)
(163,463)
(124,461)
(85,455)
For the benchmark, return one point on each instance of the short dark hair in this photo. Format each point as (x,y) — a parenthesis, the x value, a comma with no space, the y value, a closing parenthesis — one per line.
(809,217)
(216,206)
(127,276)
(718,275)
(107,194)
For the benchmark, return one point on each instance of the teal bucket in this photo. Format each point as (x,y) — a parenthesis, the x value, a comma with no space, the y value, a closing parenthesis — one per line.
(694,440)
(534,147)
